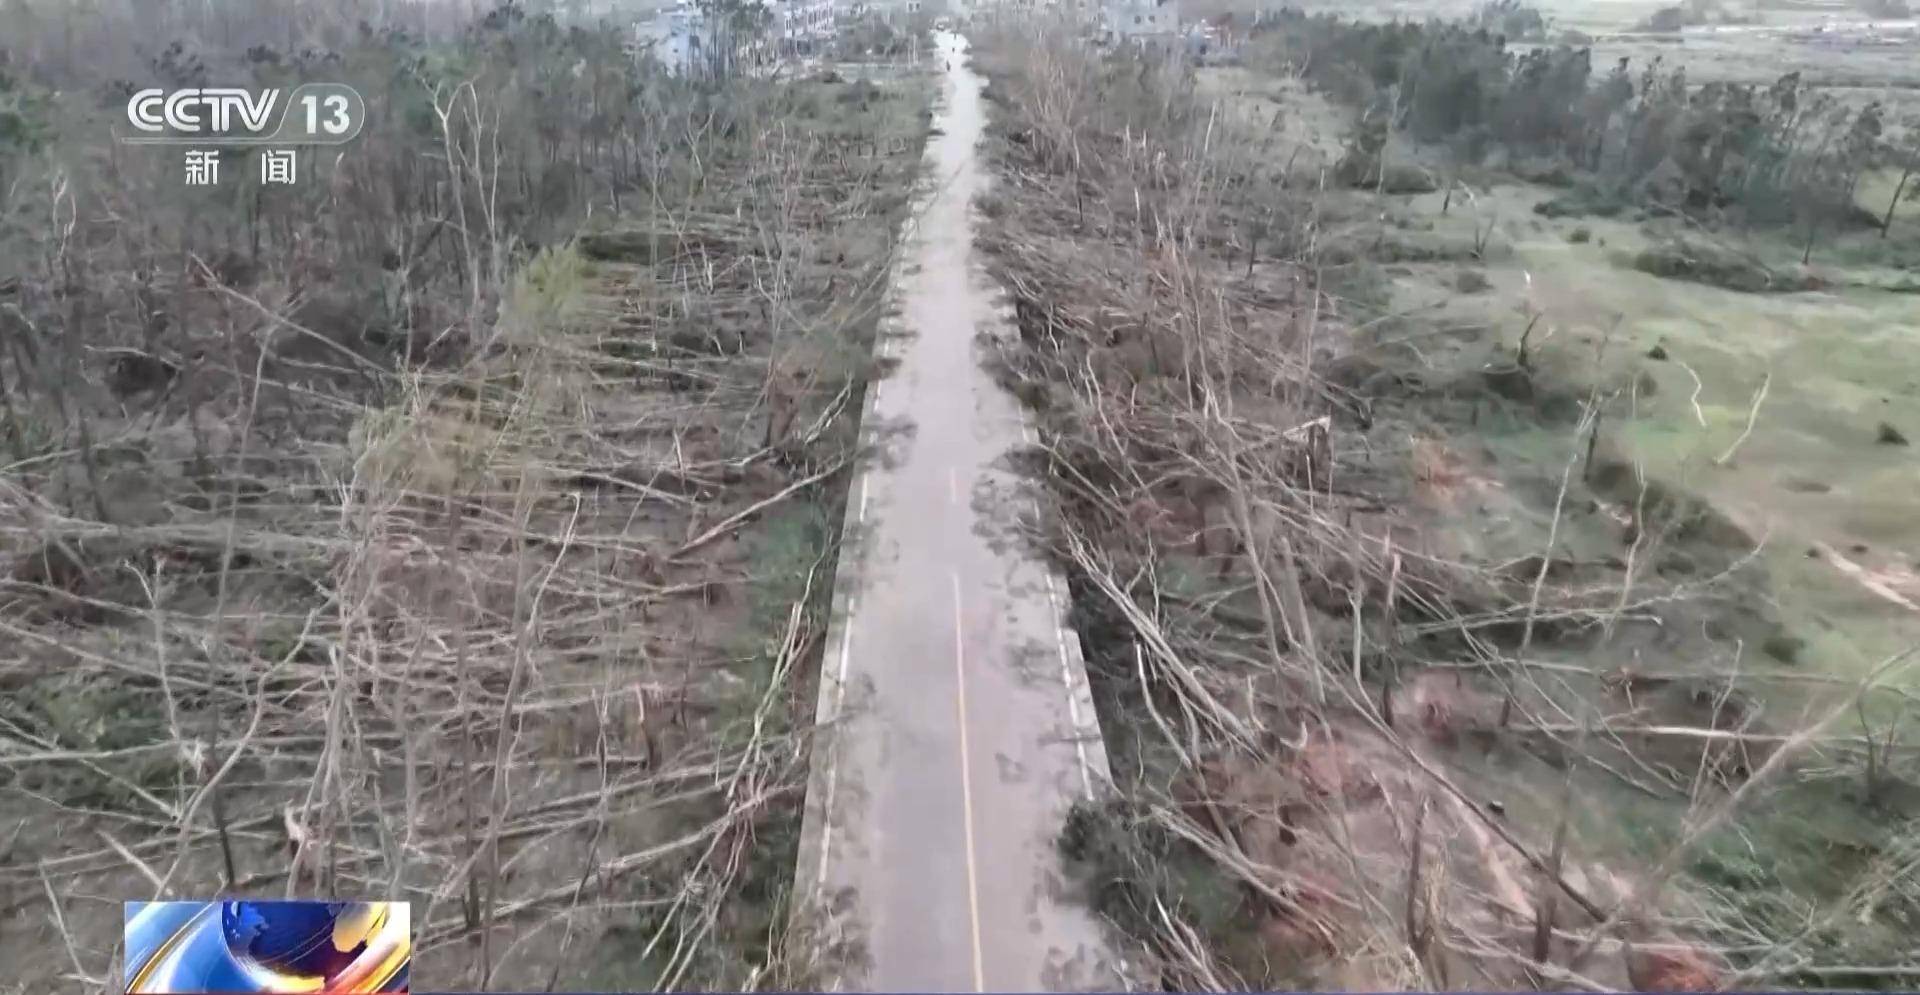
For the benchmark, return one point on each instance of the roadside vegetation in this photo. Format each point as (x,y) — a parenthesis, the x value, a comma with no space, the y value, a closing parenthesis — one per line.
(454,525)
(1618,138)
(1435,642)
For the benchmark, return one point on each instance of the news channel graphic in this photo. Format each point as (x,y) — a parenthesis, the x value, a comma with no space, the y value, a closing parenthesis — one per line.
(233,947)
(218,127)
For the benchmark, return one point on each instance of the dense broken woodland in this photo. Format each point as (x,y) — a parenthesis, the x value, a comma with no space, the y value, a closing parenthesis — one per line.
(1353,749)
(377,537)
(456,525)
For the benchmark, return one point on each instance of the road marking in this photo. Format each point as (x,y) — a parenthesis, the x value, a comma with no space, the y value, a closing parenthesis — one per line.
(1060,647)
(833,760)
(966,784)
(1066,678)
(862,519)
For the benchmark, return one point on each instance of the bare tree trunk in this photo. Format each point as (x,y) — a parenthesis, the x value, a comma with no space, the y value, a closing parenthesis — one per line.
(72,377)
(1872,791)
(15,428)
(1419,933)
(1893,204)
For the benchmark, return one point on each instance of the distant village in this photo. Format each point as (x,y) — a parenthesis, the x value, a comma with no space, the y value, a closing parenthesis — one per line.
(686,38)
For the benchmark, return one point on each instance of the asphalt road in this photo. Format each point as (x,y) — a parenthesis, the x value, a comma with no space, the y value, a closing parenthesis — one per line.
(956,729)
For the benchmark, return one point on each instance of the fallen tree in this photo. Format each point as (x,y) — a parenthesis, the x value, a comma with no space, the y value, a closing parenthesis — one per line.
(1304,796)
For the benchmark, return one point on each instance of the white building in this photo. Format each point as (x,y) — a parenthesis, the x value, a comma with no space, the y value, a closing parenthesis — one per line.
(893,9)
(1140,21)
(803,24)
(682,38)
(677,36)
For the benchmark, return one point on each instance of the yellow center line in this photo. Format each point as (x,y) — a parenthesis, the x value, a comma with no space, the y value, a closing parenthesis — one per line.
(966,785)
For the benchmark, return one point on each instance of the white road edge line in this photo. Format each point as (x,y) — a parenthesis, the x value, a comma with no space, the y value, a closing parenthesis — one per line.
(966,784)
(839,705)
(1066,678)
(1066,668)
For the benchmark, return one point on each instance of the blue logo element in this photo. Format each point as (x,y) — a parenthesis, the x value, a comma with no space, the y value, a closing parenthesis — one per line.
(193,948)
(288,937)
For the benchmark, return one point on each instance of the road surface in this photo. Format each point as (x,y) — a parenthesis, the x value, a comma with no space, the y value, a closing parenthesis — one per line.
(955,723)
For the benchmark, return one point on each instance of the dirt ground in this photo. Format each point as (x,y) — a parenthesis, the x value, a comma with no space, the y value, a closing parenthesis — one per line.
(1811,475)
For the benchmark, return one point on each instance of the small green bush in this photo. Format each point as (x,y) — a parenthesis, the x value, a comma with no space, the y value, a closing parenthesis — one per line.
(1471,281)
(1582,202)
(1716,266)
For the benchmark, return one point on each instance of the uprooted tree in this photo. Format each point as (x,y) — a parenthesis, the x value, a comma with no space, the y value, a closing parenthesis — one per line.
(1349,753)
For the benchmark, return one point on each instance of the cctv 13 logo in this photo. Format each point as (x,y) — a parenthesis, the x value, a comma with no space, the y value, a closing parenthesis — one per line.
(311,114)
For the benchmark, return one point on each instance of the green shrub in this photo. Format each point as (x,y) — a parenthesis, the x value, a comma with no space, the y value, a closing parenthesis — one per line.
(1717,266)
(1582,201)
